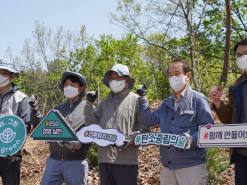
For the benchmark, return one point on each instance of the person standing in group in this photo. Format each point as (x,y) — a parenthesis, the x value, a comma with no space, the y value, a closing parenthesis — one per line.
(120,111)
(235,109)
(13,102)
(182,113)
(67,161)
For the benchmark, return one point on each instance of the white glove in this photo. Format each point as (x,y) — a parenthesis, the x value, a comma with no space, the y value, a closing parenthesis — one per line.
(189,140)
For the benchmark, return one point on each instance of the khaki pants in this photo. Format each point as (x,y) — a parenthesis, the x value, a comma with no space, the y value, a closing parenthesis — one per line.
(195,175)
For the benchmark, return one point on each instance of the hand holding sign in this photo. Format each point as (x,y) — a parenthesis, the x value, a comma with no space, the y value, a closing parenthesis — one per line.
(188,138)
(12,135)
(215,94)
(164,139)
(53,127)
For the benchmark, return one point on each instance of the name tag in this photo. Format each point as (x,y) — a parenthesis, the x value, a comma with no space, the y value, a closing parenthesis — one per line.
(191,112)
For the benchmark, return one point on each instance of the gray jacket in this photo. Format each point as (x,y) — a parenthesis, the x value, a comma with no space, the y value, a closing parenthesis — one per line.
(119,111)
(14,102)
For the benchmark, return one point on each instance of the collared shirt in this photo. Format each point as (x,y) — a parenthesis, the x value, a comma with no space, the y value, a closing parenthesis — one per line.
(176,102)
(193,111)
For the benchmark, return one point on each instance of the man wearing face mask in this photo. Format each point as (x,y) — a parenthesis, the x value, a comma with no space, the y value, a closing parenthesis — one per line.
(235,109)
(182,113)
(119,110)
(67,161)
(12,102)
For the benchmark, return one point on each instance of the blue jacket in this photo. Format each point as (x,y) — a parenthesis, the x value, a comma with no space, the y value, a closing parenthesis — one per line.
(193,111)
(237,92)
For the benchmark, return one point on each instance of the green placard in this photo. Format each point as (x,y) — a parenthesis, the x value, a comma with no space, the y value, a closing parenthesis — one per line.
(53,127)
(13,135)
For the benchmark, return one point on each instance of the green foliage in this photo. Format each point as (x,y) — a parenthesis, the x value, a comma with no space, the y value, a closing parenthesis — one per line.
(157,29)
(44,84)
(101,55)
(217,163)
(92,156)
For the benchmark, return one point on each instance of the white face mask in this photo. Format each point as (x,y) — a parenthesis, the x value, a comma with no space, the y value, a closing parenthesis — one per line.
(242,62)
(117,85)
(4,81)
(177,82)
(70,92)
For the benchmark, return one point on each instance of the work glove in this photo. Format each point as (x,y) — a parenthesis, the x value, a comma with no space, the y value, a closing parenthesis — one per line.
(189,140)
(29,128)
(130,141)
(35,115)
(143,101)
(92,96)
(142,90)
(33,102)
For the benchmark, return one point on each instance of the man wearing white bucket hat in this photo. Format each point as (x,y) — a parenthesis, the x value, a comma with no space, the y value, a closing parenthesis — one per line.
(119,110)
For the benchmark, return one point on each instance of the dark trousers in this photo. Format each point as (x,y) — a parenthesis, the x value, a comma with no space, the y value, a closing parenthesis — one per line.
(10,170)
(240,170)
(114,174)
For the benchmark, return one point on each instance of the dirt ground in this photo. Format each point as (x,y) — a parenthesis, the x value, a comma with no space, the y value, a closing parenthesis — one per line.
(35,154)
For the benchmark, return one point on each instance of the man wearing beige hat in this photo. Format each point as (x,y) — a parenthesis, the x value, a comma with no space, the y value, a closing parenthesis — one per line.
(119,110)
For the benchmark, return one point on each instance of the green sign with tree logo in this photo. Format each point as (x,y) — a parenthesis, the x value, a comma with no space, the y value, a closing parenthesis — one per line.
(54,127)
(13,134)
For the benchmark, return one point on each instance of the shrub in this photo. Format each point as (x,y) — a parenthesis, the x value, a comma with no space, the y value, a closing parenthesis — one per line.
(217,163)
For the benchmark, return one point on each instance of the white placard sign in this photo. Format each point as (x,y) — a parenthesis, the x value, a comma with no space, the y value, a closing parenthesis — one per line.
(228,135)
(102,137)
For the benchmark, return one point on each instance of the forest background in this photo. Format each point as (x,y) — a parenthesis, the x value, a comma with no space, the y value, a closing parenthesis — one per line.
(203,32)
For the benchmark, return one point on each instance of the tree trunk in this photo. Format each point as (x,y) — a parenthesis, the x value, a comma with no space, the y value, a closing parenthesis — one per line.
(223,79)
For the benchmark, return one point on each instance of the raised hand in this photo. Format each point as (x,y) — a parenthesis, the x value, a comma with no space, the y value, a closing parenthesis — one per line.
(33,102)
(142,90)
(215,94)
(92,96)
